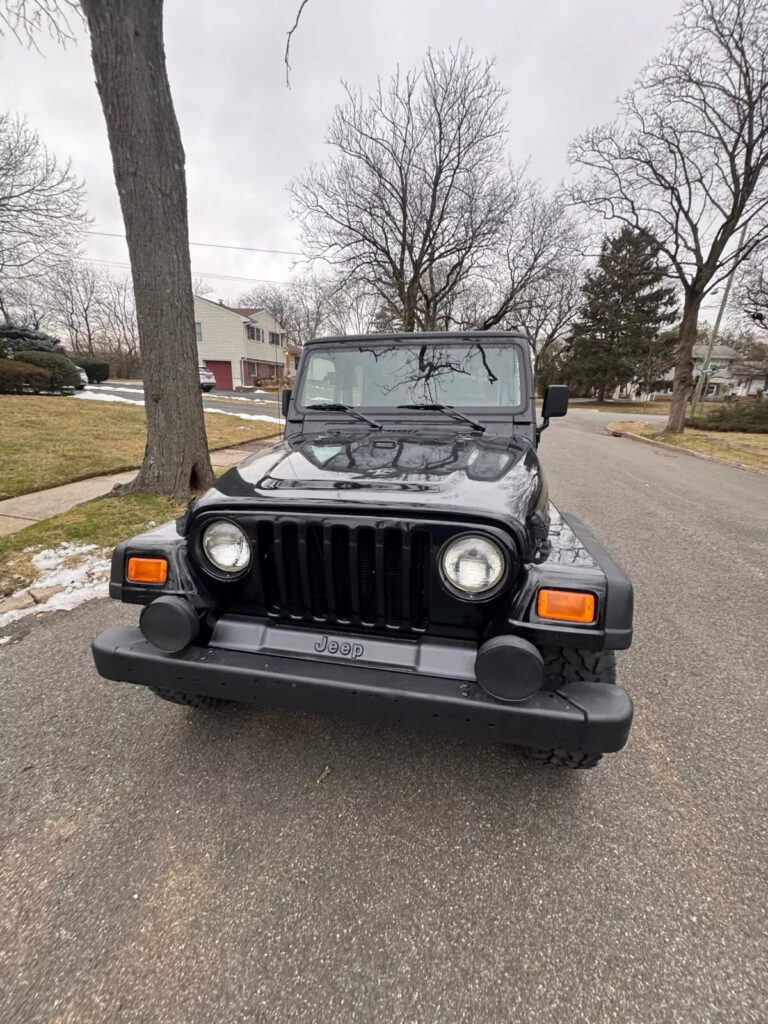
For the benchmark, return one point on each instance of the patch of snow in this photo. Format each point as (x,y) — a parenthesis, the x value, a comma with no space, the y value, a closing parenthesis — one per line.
(50,561)
(265,400)
(83,581)
(140,401)
(97,397)
(248,416)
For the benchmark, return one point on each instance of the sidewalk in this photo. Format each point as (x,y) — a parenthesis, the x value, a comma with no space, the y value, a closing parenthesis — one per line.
(16,513)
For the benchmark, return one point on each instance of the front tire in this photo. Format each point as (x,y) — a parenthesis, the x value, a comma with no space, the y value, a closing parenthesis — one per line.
(191,700)
(572,665)
(575,665)
(562,758)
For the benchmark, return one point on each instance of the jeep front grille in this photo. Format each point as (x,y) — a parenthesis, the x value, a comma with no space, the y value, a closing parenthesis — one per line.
(343,573)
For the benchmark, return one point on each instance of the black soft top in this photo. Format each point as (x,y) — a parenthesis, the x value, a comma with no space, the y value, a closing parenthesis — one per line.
(406,338)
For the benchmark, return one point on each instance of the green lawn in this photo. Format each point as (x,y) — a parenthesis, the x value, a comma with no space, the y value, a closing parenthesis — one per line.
(46,440)
(104,523)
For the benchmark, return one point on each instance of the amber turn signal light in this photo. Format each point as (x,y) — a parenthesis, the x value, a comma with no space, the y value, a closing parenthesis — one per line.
(147,570)
(566,605)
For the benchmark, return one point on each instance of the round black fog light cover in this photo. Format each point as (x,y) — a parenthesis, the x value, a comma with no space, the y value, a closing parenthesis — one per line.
(169,623)
(509,668)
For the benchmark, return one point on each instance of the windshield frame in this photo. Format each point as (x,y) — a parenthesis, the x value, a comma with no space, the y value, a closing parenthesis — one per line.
(406,341)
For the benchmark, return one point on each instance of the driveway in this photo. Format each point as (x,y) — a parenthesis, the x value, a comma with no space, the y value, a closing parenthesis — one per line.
(166,865)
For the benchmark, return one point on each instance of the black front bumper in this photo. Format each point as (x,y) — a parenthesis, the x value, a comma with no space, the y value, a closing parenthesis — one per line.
(592,717)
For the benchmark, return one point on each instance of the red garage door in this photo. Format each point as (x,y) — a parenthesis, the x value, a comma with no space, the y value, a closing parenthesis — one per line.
(222,371)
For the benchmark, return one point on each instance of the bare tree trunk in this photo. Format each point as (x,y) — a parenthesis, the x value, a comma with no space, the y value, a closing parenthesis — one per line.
(148,160)
(683,384)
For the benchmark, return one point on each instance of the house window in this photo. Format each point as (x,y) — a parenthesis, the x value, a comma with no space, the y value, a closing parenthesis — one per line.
(250,332)
(274,338)
(198,332)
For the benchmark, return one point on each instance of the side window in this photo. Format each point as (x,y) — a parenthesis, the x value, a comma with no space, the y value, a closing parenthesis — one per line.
(321,380)
(198,332)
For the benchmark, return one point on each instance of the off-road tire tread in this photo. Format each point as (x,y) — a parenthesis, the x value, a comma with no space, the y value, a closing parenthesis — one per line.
(191,700)
(562,758)
(572,665)
(575,665)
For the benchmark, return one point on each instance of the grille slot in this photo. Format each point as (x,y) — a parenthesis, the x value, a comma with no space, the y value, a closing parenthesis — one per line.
(353,574)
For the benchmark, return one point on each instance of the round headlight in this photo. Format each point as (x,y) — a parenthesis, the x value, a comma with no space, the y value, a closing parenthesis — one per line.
(473,565)
(226,547)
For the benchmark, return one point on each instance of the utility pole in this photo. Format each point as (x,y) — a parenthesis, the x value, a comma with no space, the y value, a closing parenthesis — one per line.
(715,330)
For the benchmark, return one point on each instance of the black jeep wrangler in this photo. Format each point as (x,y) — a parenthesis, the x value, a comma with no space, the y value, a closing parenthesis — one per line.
(394,558)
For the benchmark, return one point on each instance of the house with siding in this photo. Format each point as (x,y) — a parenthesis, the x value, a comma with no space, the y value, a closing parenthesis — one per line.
(721,379)
(238,345)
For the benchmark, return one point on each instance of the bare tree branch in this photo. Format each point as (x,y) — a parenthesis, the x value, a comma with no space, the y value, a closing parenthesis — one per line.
(752,291)
(287,56)
(415,194)
(42,215)
(27,19)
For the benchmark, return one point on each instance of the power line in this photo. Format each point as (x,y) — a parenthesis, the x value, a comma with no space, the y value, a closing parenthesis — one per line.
(212,245)
(195,273)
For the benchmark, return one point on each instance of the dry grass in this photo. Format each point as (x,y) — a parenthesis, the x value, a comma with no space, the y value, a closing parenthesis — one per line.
(46,441)
(639,408)
(740,449)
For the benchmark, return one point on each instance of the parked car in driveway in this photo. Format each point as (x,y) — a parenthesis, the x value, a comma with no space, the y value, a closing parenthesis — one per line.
(83,378)
(394,558)
(207,379)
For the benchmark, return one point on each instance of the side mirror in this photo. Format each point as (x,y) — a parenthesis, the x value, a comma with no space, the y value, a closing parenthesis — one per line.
(285,400)
(555,401)
(555,404)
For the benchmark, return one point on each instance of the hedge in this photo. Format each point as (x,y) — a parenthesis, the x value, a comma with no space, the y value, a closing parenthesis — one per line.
(748,417)
(97,370)
(17,378)
(64,373)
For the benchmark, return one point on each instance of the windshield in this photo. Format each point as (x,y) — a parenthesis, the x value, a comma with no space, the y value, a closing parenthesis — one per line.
(470,374)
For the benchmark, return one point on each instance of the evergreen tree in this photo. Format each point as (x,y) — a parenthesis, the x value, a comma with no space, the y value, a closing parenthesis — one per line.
(619,333)
(26,339)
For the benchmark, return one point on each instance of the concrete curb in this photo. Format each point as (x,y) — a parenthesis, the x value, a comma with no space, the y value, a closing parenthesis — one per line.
(683,451)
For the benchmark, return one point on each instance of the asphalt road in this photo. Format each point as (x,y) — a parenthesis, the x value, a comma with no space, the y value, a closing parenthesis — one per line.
(161,864)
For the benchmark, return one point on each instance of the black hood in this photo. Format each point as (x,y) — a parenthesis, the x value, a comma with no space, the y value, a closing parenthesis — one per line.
(448,474)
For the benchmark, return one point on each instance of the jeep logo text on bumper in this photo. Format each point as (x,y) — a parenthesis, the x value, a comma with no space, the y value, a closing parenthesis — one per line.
(325,645)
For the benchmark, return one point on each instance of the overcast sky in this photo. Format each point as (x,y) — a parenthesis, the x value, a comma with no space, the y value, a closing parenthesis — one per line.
(563,61)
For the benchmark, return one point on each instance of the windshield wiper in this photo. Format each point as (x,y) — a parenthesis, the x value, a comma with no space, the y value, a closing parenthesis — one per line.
(449,410)
(338,407)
